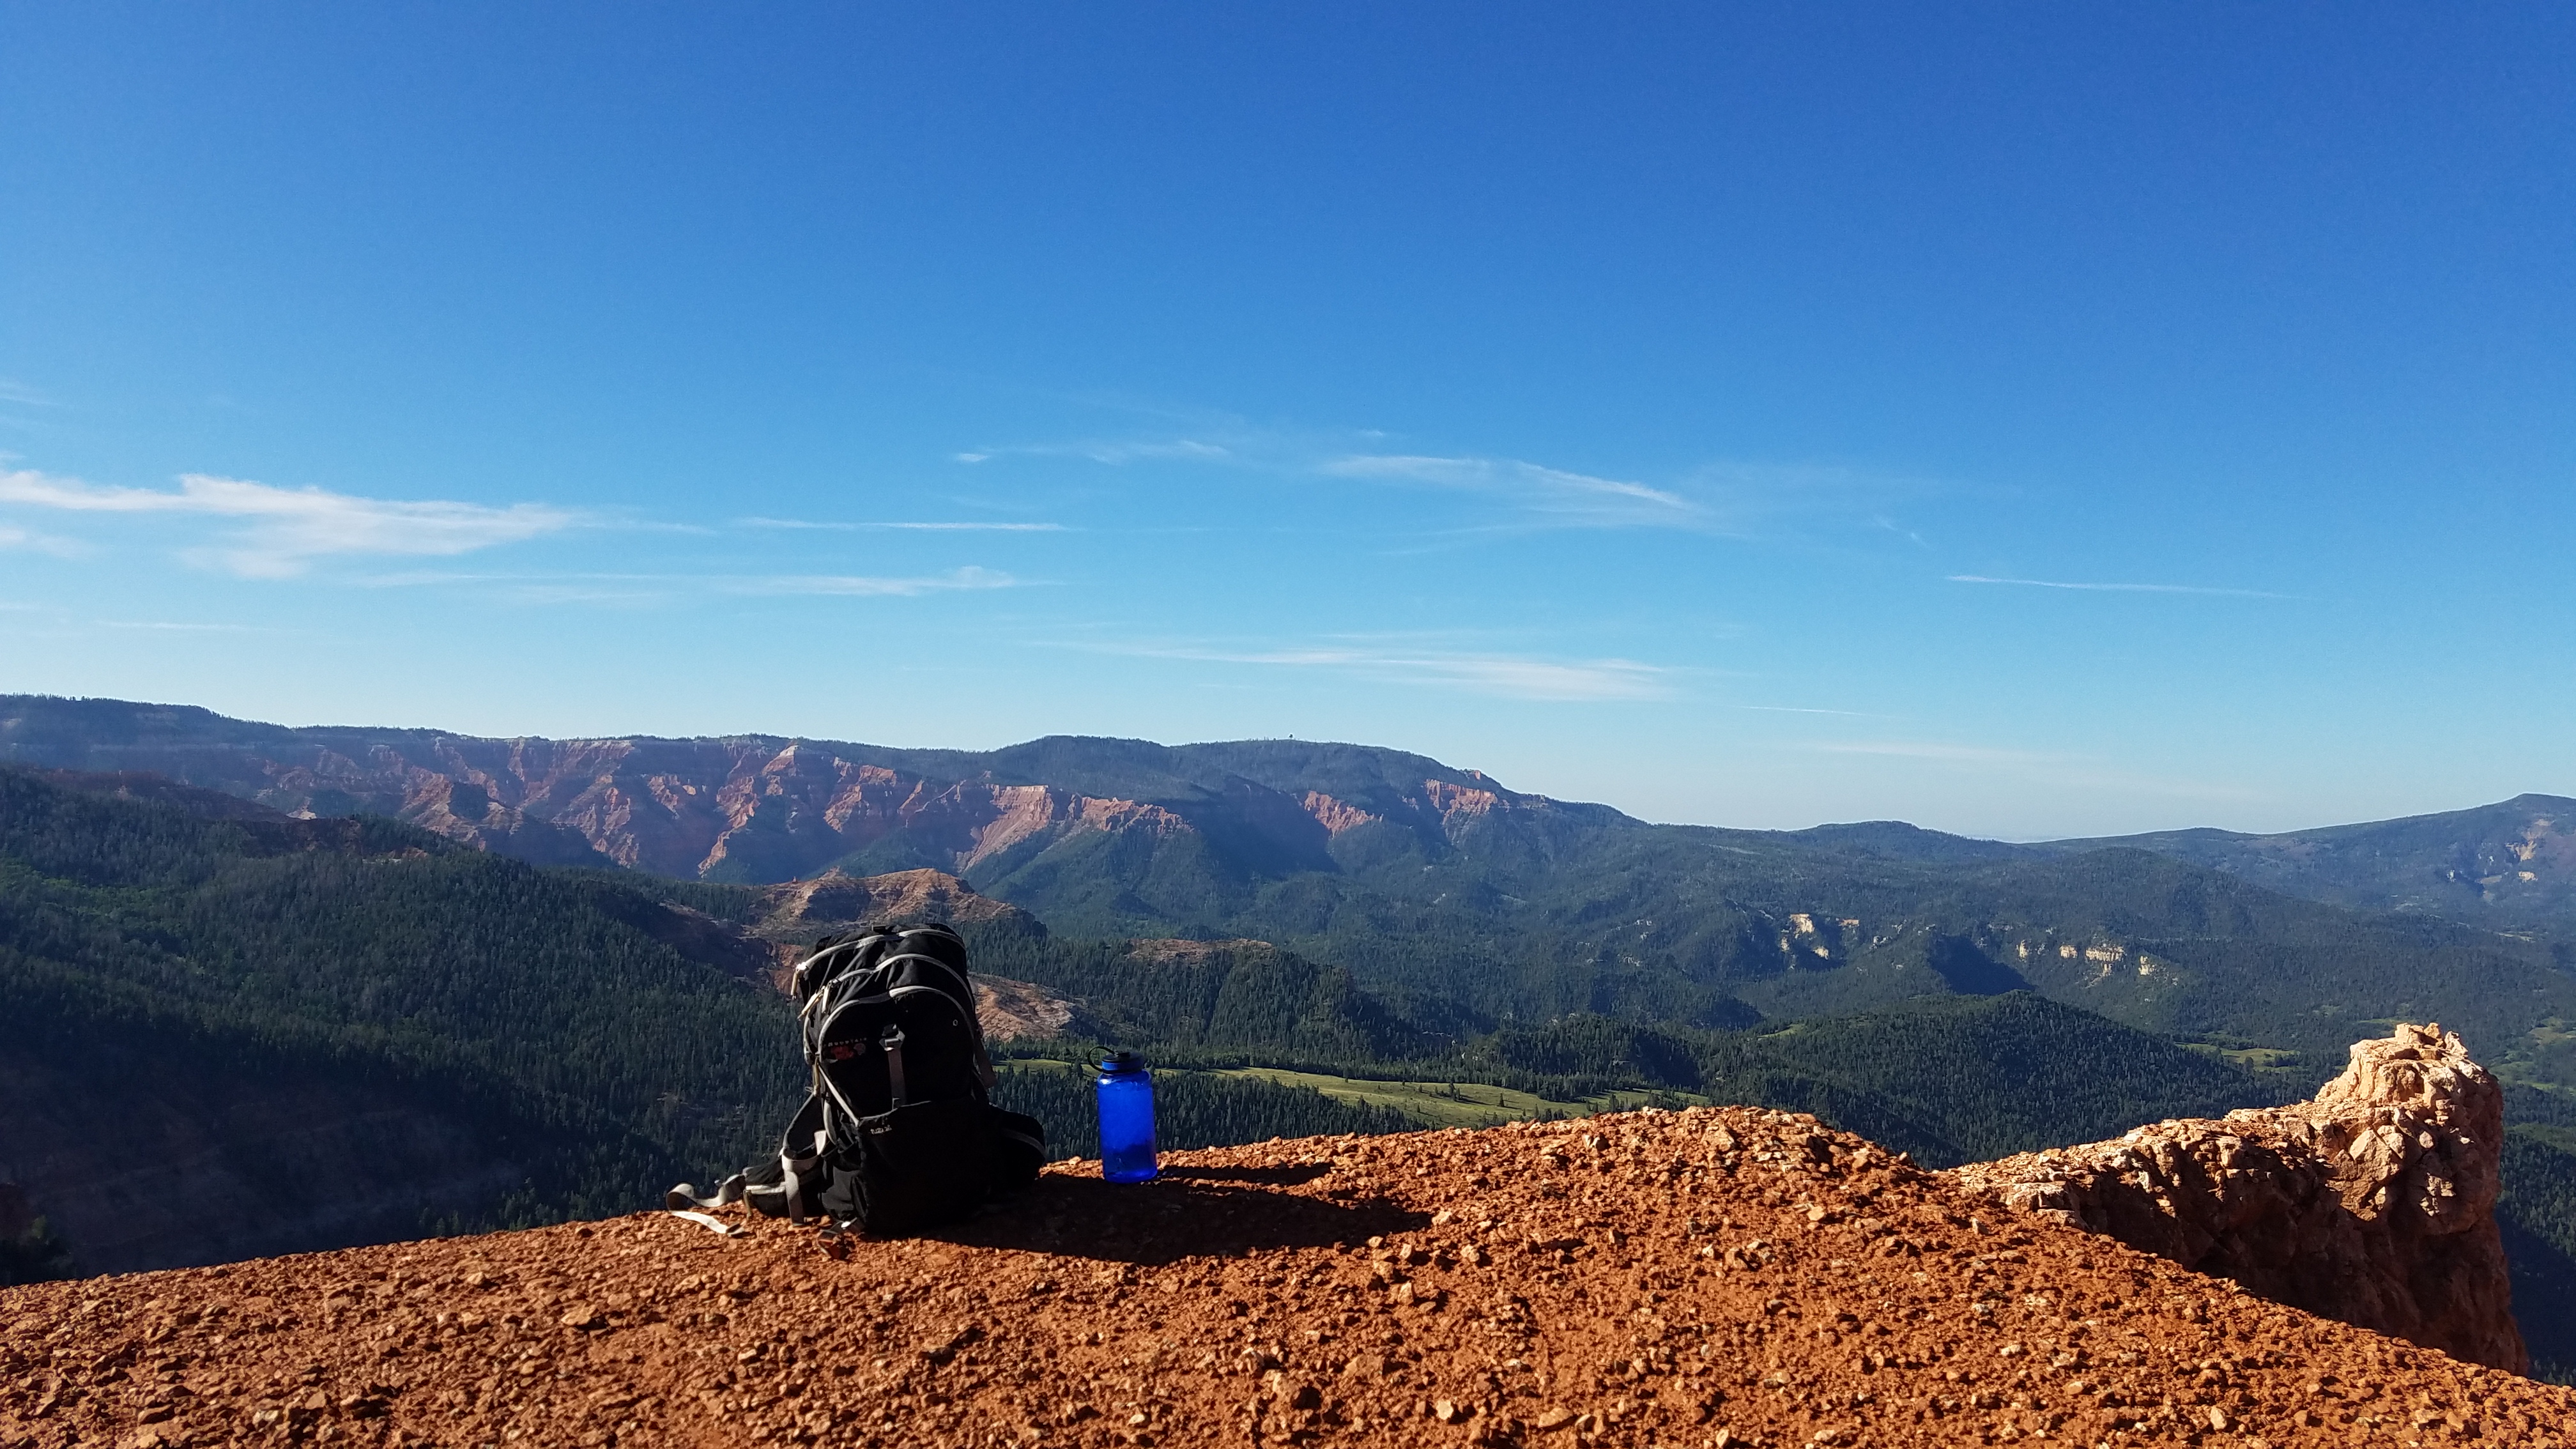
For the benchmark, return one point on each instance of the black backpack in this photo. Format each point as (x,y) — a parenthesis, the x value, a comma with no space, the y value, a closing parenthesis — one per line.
(899,1132)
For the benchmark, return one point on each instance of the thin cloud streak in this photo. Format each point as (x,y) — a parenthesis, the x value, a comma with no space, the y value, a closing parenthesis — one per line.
(1114,454)
(864,587)
(584,588)
(800,523)
(177,628)
(1506,675)
(2045,768)
(1554,494)
(1917,750)
(1723,498)
(291,527)
(2119,588)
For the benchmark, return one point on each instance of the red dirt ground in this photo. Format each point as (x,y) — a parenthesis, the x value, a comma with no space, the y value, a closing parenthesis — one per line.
(1713,1277)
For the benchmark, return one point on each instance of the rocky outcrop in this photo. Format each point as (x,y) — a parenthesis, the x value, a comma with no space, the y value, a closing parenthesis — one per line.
(1015,1010)
(792,915)
(2372,1203)
(1727,1278)
(835,901)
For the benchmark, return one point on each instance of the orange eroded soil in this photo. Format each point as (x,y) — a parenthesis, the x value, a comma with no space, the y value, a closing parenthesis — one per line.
(1706,1277)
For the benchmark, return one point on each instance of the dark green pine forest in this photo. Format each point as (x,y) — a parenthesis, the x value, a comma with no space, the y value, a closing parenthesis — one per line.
(450,1040)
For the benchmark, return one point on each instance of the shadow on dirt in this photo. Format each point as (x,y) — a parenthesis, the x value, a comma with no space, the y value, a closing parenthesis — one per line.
(1186,1213)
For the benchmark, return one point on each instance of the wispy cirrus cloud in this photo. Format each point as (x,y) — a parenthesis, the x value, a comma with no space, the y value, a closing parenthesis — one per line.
(1511,676)
(1134,450)
(284,530)
(1932,750)
(1732,498)
(14,391)
(1737,498)
(632,588)
(2039,766)
(1566,497)
(963,527)
(860,586)
(2119,588)
(169,626)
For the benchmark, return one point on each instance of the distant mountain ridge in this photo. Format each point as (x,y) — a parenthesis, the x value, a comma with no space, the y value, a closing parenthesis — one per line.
(765,808)
(1464,905)
(2510,864)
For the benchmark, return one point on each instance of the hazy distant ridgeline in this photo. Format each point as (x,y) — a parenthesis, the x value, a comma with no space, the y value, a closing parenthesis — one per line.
(2503,865)
(201,1000)
(764,808)
(1465,905)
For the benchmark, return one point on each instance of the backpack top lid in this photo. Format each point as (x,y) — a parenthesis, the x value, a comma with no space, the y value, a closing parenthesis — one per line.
(832,956)
(826,959)
(935,944)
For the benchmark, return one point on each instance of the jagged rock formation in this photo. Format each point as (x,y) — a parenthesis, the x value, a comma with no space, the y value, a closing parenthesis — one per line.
(760,808)
(837,901)
(1717,1277)
(2372,1203)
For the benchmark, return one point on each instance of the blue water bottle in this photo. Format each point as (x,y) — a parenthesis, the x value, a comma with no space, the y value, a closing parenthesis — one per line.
(1126,1119)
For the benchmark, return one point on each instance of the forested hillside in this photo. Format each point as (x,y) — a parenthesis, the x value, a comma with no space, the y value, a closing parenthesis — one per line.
(441,1035)
(234,1035)
(1460,905)
(201,1000)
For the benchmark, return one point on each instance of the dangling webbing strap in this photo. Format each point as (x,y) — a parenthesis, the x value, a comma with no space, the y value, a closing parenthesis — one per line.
(711,1223)
(686,1195)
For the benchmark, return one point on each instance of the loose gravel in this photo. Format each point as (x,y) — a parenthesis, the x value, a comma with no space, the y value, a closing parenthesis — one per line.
(1715,1277)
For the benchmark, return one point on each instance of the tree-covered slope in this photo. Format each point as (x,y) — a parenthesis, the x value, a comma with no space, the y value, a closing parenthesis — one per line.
(2510,865)
(1950,1080)
(1464,905)
(187,1004)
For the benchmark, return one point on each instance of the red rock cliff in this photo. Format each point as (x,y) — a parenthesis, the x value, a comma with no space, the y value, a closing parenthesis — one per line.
(2372,1203)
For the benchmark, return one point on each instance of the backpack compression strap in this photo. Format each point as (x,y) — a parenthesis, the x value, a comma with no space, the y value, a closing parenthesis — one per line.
(799,1151)
(892,1041)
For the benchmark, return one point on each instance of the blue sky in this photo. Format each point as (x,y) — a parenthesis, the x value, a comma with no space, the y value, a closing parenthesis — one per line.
(2022,420)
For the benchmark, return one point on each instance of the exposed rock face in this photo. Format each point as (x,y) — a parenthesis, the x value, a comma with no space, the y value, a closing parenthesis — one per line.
(834,900)
(761,808)
(794,914)
(1010,1010)
(2372,1203)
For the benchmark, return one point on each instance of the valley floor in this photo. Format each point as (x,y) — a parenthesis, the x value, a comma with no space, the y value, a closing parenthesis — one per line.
(1431,1103)
(1707,1277)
